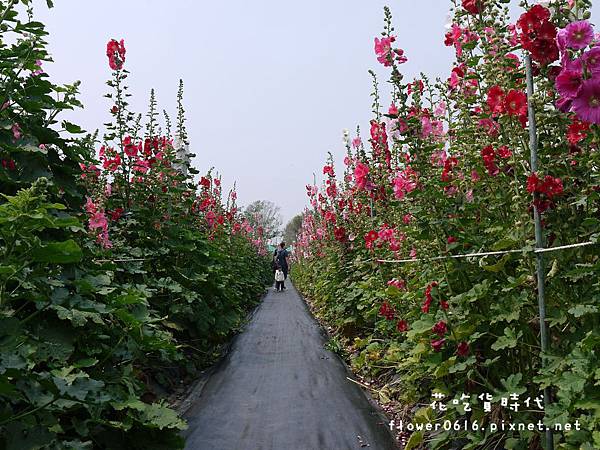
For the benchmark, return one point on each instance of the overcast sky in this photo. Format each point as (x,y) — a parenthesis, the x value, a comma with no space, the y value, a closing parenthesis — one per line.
(269,85)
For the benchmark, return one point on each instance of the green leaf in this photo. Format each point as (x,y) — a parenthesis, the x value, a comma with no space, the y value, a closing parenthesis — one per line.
(64,252)
(509,340)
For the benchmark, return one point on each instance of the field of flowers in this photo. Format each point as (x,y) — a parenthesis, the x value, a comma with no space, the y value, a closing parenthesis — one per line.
(120,275)
(444,172)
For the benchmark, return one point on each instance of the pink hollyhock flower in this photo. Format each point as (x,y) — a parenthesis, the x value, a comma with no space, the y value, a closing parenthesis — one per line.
(90,207)
(404,183)
(393,110)
(361,171)
(568,83)
(413,253)
(383,49)
(451,240)
(328,170)
(39,69)
(104,240)
(16,131)
(578,34)
(406,218)
(587,104)
(356,142)
(98,220)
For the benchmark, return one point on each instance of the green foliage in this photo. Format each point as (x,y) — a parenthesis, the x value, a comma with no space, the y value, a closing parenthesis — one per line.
(93,338)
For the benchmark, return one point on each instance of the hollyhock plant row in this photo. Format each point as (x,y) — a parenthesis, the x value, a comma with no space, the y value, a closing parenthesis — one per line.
(121,274)
(445,172)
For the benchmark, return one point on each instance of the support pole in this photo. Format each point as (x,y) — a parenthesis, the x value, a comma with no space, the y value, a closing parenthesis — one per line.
(539,238)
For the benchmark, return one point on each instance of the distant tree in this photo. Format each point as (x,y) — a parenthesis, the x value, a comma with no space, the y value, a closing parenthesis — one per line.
(292,228)
(266,215)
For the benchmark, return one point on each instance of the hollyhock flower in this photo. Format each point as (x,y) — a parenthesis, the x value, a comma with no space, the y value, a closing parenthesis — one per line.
(393,110)
(400,284)
(451,240)
(404,183)
(328,170)
(413,253)
(406,218)
(579,34)
(387,311)
(116,214)
(103,239)
(438,344)
(130,148)
(98,220)
(402,326)
(361,171)
(491,127)
(112,164)
(515,103)
(444,304)
(538,34)
(116,54)
(356,142)
(569,82)
(577,131)
(39,69)
(383,50)
(472,6)
(339,234)
(89,206)
(16,131)
(591,59)
(370,239)
(504,152)
(440,328)
(587,104)
(462,349)
(495,99)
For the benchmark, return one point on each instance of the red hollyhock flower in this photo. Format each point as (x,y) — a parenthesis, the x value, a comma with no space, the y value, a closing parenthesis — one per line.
(116,54)
(370,238)
(402,326)
(340,234)
(387,311)
(440,328)
(577,131)
(515,103)
(328,170)
(444,304)
(438,344)
(462,349)
(538,34)
(205,182)
(504,152)
(495,99)
(472,6)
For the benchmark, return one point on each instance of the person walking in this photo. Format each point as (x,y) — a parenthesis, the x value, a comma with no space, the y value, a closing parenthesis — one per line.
(282,256)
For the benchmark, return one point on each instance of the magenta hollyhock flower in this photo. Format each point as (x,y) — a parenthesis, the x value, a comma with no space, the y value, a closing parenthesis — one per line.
(592,59)
(587,104)
(16,131)
(383,50)
(462,349)
(360,175)
(578,34)
(568,83)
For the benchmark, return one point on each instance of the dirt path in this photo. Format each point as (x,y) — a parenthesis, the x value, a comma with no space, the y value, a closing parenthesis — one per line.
(280,389)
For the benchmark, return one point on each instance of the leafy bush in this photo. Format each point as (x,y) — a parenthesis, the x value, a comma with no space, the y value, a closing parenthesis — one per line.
(114,288)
